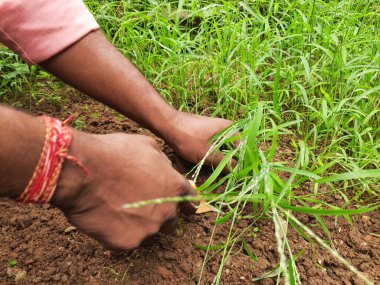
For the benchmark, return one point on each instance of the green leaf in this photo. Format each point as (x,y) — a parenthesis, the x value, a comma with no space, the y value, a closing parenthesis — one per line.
(275,88)
(225,218)
(12,263)
(352,175)
(226,159)
(327,96)
(210,247)
(248,251)
(329,212)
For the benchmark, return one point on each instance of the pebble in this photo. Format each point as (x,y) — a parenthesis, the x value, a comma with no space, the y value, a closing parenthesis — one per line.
(37,280)
(29,261)
(17,273)
(366,218)
(169,256)
(46,206)
(243,224)
(228,261)
(56,277)
(164,272)
(107,254)
(70,229)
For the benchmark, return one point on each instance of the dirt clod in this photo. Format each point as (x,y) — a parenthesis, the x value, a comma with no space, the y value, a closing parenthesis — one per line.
(164,272)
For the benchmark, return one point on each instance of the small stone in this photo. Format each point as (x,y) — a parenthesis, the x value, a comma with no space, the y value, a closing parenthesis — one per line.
(107,254)
(366,218)
(10,271)
(56,277)
(20,275)
(13,221)
(164,272)
(49,271)
(243,224)
(29,261)
(170,256)
(185,266)
(228,261)
(70,229)
(165,244)
(227,271)
(64,278)
(37,280)
(24,222)
(242,278)
(46,206)
(93,281)
(17,273)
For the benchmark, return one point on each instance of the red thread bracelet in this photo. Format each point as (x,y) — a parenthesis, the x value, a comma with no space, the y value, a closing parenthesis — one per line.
(43,183)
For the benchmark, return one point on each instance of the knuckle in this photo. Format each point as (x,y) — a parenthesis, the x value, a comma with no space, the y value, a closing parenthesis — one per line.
(132,244)
(151,230)
(179,186)
(122,244)
(169,212)
(150,141)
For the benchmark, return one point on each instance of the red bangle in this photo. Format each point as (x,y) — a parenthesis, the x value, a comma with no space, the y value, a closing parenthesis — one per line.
(44,181)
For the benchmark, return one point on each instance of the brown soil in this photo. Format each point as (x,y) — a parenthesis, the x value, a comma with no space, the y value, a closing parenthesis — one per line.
(49,251)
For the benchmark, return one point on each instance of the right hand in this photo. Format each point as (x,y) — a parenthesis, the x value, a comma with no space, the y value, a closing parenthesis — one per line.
(123,169)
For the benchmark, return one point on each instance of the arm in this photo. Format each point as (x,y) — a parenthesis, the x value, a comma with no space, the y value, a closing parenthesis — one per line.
(95,67)
(79,54)
(93,203)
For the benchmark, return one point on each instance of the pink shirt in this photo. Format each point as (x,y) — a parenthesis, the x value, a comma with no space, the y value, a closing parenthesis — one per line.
(40,29)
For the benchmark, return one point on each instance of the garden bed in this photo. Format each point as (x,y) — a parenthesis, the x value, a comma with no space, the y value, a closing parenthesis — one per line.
(38,246)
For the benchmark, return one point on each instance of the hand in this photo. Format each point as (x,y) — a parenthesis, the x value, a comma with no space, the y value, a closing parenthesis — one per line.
(123,169)
(190,137)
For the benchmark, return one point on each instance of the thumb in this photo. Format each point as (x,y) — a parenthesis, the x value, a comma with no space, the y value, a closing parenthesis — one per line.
(188,208)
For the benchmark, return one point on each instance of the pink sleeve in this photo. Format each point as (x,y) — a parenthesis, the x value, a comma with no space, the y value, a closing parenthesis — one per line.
(40,29)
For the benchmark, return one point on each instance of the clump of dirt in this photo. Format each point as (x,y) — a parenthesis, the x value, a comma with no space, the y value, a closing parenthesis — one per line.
(49,251)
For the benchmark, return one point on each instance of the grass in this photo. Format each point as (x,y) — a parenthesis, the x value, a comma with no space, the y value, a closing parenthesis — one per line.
(305,70)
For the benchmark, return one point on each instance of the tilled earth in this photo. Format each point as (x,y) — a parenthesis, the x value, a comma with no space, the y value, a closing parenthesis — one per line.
(49,251)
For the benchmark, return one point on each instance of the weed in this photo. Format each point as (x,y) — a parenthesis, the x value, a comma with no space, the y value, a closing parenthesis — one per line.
(307,71)
(12,263)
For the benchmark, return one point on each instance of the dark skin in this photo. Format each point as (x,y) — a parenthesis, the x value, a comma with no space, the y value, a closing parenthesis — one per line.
(124,168)
(95,67)
(120,173)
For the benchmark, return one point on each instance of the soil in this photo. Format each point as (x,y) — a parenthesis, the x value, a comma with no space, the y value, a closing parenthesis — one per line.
(48,250)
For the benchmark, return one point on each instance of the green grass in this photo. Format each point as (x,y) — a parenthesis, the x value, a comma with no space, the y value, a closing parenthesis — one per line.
(304,70)
(255,183)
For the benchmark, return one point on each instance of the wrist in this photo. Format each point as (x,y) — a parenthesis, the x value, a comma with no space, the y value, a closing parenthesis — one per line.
(72,180)
(178,130)
(162,123)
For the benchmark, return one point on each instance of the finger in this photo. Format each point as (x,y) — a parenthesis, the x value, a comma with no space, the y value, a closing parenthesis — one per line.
(237,143)
(188,208)
(166,158)
(215,159)
(169,226)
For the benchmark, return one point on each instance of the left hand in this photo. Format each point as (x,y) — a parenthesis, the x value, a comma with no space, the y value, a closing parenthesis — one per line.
(190,137)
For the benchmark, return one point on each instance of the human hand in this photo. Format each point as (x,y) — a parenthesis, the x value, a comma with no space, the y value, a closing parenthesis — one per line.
(123,169)
(191,134)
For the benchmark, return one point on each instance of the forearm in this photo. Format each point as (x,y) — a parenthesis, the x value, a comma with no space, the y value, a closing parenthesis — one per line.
(95,67)
(22,138)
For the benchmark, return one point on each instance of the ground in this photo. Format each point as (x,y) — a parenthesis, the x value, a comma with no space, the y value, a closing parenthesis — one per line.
(49,251)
